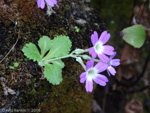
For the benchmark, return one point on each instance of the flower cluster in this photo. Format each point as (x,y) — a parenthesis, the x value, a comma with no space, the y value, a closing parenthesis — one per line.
(41,3)
(102,51)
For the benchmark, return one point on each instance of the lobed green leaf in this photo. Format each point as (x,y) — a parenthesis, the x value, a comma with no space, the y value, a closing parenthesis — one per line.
(60,47)
(58,63)
(31,52)
(45,44)
(53,74)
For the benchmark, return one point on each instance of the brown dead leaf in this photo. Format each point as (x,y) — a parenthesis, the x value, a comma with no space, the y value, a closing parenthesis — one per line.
(129,55)
(6,89)
(134,106)
(124,71)
(141,16)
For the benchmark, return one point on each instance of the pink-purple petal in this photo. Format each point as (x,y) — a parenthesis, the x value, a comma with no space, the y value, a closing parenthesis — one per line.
(41,4)
(102,77)
(108,47)
(82,80)
(106,38)
(104,33)
(54,1)
(108,72)
(89,64)
(94,38)
(115,62)
(83,75)
(99,65)
(50,3)
(112,70)
(94,55)
(109,50)
(92,52)
(100,82)
(103,57)
(103,68)
(112,56)
(89,85)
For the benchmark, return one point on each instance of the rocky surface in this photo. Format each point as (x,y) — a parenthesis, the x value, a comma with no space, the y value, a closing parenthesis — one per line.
(21,21)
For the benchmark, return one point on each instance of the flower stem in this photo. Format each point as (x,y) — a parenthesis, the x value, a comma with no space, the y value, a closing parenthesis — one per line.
(67,56)
(74,54)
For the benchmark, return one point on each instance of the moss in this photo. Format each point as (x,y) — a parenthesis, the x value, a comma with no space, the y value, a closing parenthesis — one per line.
(70,99)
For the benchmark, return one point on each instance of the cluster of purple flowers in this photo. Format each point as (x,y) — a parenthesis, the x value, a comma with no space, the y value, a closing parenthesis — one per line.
(41,3)
(106,63)
(99,49)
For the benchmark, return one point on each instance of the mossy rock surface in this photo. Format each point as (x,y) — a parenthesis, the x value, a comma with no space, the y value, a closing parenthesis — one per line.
(31,23)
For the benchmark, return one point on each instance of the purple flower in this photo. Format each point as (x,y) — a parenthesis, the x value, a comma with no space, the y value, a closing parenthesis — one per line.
(41,3)
(112,62)
(92,73)
(99,48)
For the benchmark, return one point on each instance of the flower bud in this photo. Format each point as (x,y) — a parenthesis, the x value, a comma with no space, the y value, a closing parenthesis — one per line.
(86,57)
(78,51)
(78,59)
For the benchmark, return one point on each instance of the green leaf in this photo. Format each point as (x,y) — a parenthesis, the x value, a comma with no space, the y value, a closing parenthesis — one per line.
(134,35)
(11,67)
(26,59)
(58,63)
(53,74)
(77,29)
(44,44)
(60,47)
(31,52)
(16,64)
